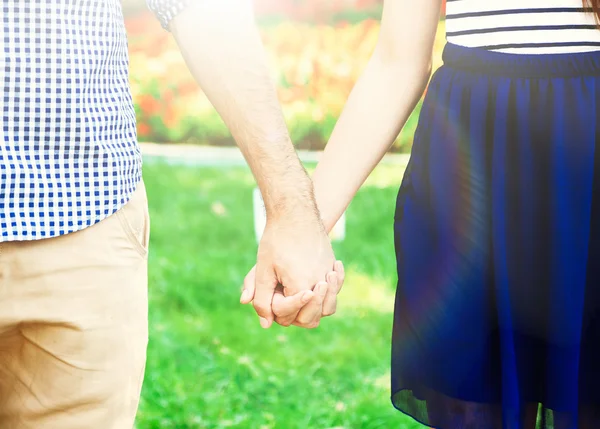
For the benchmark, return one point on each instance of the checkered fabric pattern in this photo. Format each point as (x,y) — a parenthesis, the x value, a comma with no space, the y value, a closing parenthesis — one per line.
(166,10)
(68,147)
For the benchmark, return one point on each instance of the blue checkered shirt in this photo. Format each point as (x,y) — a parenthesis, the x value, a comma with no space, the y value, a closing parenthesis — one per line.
(68,147)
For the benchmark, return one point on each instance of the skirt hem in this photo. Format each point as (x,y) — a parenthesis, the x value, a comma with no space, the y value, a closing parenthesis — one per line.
(406,413)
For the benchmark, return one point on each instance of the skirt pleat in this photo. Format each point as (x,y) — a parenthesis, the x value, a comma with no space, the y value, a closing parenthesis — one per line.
(497,234)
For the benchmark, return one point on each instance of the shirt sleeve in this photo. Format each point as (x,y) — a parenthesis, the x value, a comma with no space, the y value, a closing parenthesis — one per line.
(166,10)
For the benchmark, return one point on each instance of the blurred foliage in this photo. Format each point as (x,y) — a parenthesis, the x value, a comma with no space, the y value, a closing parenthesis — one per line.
(310,10)
(314,65)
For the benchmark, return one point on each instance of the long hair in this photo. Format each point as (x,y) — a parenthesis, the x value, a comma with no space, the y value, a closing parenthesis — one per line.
(595,5)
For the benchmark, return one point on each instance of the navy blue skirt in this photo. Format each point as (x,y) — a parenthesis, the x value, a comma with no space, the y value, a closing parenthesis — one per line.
(497,232)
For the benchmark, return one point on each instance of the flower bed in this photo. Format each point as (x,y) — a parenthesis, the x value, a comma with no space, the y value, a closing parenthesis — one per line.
(315,67)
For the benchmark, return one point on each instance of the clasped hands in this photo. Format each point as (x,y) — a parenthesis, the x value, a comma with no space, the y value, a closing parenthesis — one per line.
(296,279)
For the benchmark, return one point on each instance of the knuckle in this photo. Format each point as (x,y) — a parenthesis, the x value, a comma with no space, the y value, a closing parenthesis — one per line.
(304,320)
(283,322)
(261,308)
(281,314)
(277,309)
(302,325)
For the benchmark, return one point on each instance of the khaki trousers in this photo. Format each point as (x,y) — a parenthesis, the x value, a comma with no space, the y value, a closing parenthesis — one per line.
(74,325)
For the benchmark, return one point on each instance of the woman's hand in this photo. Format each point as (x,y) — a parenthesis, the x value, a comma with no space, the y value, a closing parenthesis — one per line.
(306,308)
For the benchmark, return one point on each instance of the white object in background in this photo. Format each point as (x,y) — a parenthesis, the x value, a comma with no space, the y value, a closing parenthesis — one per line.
(338,233)
(260,214)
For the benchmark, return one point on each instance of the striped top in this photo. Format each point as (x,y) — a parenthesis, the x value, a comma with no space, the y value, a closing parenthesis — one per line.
(522,26)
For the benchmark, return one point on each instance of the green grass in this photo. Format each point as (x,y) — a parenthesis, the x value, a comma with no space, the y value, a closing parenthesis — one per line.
(211,366)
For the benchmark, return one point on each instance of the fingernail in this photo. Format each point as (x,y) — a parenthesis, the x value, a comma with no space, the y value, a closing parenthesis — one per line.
(264,323)
(339,266)
(306,297)
(244,297)
(331,278)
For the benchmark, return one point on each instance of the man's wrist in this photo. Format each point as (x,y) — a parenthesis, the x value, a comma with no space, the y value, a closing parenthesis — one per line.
(285,185)
(295,200)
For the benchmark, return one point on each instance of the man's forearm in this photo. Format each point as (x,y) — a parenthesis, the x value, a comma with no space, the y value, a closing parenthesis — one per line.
(221,45)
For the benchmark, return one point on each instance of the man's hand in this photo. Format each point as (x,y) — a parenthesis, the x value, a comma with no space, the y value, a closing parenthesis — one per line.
(305,308)
(222,47)
(295,252)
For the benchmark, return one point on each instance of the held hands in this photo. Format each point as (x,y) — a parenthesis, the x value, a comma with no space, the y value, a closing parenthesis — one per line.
(296,279)
(305,308)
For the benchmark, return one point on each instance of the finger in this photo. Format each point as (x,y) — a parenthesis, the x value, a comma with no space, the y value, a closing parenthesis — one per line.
(286,308)
(330,301)
(310,315)
(341,274)
(249,287)
(265,285)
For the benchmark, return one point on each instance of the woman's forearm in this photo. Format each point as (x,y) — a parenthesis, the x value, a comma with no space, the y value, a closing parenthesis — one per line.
(378,107)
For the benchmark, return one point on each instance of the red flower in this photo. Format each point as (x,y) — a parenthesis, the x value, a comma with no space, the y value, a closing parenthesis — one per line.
(143,129)
(149,105)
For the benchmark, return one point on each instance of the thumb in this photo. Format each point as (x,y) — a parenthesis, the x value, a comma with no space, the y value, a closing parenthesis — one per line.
(265,285)
(249,287)
(286,308)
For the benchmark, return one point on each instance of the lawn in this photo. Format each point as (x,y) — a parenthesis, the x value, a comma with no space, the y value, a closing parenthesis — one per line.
(211,366)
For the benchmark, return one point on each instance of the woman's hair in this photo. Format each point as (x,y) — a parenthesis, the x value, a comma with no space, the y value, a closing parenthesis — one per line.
(595,4)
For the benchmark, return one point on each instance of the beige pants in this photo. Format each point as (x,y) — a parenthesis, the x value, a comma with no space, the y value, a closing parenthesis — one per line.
(74,325)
